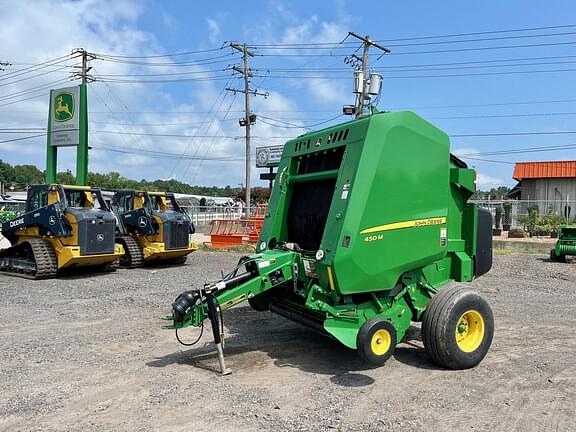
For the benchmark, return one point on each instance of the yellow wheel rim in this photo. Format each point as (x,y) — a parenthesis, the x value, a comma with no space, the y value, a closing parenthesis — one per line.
(470,331)
(381,342)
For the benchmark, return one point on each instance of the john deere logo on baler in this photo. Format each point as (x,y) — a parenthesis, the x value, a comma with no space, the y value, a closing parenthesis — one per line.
(64,107)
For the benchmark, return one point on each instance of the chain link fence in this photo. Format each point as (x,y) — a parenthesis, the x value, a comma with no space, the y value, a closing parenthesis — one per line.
(538,218)
(204,215)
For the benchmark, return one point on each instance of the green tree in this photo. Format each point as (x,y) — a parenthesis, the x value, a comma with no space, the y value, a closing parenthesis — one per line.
(28,174)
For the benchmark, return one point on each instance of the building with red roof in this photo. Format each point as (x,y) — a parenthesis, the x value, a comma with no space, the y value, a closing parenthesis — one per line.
(546,182)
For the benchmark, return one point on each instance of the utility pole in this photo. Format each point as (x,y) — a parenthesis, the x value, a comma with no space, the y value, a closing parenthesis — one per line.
(249,118)
(84,68)
(367,44)
(82,149)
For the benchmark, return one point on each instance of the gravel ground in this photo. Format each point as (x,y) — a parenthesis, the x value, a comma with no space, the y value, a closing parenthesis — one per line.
(87,352)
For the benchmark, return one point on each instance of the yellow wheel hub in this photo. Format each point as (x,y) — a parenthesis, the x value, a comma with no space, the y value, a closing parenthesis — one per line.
(470,331)
(381,342)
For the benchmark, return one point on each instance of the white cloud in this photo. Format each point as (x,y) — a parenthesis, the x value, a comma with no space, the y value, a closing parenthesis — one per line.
(214,29)
(112,26)
(328,92)
(486,181)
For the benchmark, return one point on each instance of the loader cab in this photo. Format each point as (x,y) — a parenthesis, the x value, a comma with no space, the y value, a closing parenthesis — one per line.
(176,223)
(127,200)
(84,210)
(69,196)
(165,202)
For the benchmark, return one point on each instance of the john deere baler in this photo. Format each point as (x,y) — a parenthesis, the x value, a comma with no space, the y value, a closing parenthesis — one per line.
(565,245)
(367,227)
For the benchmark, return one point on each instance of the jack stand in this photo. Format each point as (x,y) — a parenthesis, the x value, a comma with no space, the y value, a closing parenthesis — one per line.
(214,320)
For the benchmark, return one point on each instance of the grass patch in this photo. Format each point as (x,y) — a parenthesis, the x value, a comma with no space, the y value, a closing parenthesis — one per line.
(503,251)
(240,248)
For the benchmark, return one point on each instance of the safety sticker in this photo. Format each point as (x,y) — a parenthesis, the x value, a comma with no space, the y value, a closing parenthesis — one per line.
(442,237)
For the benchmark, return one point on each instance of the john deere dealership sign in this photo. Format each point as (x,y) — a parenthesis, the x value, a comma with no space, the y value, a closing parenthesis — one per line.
(268,156)
(64,117)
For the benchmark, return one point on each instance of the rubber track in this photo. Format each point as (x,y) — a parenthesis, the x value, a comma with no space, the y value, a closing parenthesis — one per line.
(44,257)
(112,267)
(133,250)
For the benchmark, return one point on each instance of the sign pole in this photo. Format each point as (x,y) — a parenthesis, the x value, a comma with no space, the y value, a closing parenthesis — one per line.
(82,149)
(51,151)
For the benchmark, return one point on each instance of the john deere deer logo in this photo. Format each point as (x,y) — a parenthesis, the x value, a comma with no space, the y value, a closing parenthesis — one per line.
(64,109)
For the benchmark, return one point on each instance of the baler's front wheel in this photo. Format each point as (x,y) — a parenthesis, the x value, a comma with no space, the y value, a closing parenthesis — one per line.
(376,341)
(457,327)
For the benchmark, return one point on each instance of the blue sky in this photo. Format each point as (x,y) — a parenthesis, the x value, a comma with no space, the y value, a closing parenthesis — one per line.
(129,120)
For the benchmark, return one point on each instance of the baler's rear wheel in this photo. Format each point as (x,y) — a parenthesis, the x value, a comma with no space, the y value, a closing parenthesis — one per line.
(457,327)
(376,341)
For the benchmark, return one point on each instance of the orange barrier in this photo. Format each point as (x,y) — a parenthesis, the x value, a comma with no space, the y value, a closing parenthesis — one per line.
(226,233)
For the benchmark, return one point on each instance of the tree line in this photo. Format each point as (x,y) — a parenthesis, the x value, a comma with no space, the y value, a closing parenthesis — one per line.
(22,175)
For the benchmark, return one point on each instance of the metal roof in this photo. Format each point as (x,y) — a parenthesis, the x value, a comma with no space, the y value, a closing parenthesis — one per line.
(549,169)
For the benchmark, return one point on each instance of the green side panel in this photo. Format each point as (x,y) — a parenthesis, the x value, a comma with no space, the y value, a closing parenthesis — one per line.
(402,176)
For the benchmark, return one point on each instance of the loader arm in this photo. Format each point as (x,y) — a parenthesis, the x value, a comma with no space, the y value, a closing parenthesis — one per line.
(49,219)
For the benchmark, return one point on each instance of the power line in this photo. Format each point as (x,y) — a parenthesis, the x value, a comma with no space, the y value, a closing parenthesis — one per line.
(36,76)
(216,104)
(152,153)
(524,150)
(423,76)
(295,126)
(206,61)
(45,86)
(501,116)
(395,53)
(525,29)
(426,68)
(176,54)
(127,81)
(185,136)
(511,134)
(427,43)
(23,138)
(37,66)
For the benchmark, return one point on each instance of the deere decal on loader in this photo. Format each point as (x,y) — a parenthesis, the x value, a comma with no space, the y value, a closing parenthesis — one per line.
(64,226)
(369,225)
(151,227)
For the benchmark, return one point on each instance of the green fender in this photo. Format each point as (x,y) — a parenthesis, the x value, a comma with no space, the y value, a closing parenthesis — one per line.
(344,331)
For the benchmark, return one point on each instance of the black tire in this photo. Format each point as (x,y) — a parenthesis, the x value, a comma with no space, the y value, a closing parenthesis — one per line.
(553,256)
(556,258)
(376,341)
(457,312)
(133,256)
(260,303)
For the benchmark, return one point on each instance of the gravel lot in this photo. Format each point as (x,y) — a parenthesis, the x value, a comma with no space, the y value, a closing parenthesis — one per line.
(87,352)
